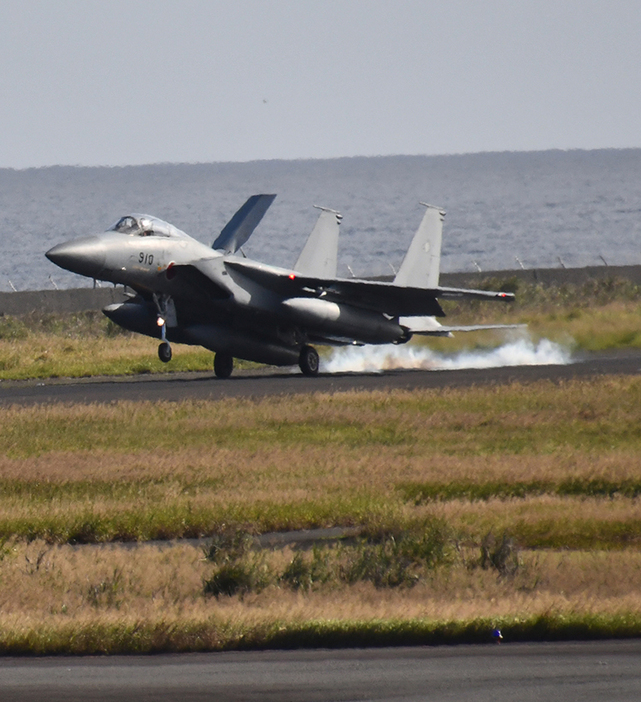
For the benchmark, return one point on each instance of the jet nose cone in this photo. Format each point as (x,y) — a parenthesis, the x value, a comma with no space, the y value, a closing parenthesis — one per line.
(84,256)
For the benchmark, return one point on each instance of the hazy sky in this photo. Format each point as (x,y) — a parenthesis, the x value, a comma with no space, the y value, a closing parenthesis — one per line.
(114,82)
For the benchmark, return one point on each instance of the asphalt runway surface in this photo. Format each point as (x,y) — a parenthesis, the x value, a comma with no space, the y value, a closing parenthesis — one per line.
(259,384)
(571,672)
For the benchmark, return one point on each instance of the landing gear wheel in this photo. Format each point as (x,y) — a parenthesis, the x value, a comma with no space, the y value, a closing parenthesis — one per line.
(164,352)
(223,365)
(308,361)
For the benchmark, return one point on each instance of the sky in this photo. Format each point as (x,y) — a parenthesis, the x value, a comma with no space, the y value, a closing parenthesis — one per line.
(119,82)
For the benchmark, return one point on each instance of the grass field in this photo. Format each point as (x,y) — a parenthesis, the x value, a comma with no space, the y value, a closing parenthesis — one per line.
(514,506)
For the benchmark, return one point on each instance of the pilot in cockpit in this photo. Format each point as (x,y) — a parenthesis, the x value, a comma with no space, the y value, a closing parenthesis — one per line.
(146,227)
(126,225)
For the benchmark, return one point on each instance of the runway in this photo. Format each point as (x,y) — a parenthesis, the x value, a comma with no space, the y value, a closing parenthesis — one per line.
(568,672)
(266,383)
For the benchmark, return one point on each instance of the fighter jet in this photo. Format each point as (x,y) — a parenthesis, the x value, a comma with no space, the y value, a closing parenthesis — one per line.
(186,292)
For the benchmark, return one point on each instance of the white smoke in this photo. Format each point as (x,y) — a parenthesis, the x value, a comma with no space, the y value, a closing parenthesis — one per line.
(375,359)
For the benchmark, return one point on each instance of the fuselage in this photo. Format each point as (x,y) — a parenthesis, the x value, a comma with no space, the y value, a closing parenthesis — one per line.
(187,293)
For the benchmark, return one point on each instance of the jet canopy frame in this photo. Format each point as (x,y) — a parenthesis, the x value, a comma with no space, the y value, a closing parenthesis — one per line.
(146,225)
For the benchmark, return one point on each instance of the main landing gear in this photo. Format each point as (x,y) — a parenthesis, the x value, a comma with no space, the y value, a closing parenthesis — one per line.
(223,365)
(308,361)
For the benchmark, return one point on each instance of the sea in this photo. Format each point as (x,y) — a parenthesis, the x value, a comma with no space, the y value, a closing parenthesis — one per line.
(504,210)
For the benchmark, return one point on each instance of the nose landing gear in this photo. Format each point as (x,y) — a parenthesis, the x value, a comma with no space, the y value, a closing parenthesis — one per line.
(165,308)
(164,352)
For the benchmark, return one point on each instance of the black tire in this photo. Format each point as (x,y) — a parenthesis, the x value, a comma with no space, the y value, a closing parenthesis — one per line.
(308,361)
(223,365)
(164,352)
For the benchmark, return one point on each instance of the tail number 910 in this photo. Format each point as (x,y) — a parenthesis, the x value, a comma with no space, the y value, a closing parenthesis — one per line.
(146,258)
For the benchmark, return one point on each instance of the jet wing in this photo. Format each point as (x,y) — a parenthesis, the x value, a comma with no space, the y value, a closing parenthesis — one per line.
(388,298)
(382,297)
(194,279)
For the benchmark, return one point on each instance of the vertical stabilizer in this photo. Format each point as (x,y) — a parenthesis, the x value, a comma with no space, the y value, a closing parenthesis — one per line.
(422,262)
(319,256)
(242,224)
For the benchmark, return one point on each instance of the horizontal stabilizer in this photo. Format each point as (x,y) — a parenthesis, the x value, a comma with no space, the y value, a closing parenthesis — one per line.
(320,254)
(240,227)
(463,293)
(428,326)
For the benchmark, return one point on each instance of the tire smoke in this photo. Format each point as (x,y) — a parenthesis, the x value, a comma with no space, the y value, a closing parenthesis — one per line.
(376,359)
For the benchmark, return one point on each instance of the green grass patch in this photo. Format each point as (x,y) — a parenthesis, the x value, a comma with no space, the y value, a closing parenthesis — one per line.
(576,533)
(75,522)
(162,426)
(218,634)
(421,493)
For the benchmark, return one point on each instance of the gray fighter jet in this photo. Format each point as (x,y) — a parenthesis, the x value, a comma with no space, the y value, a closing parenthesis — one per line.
(186,292)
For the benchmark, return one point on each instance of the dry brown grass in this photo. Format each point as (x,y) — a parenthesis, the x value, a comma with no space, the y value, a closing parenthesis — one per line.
(86,584)
(274,469)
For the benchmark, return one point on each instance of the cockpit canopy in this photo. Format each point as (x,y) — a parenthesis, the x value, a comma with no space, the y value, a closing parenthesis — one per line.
(145,225)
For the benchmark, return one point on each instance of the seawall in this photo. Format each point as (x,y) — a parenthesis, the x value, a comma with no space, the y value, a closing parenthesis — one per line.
(58,301)
(545,276)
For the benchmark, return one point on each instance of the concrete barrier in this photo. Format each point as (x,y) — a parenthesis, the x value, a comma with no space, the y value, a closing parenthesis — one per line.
(545,276)
(58,301)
